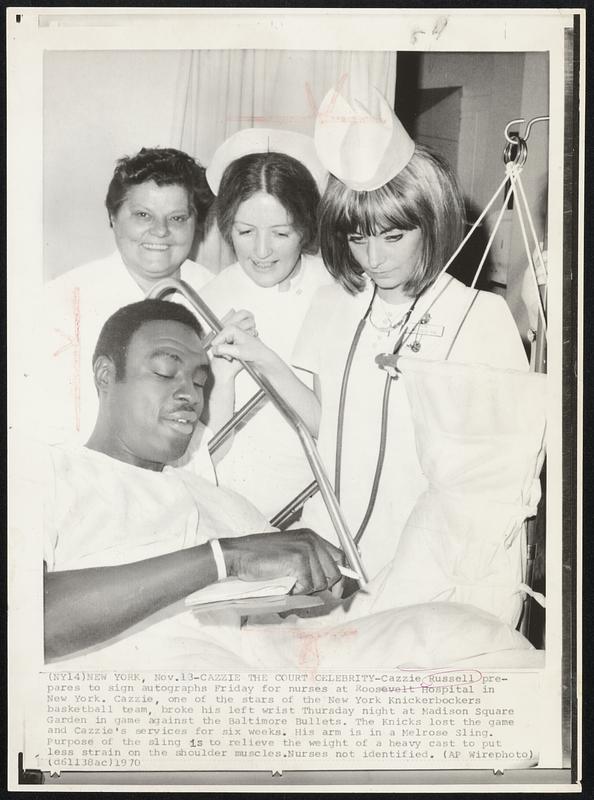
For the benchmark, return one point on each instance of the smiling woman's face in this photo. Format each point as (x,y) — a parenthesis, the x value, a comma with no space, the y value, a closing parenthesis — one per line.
(266,243)
(154,230)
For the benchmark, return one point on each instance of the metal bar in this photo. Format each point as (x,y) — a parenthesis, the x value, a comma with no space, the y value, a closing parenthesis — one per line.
(294,504)
(171,285)
(528,127)
(530,559)
(223,433)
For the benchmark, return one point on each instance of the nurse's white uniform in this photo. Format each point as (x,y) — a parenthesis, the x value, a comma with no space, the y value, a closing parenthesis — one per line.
(265,462)
(487,336)
(75,307)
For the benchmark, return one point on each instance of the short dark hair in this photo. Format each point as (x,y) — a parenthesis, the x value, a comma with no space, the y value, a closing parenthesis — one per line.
(423,195)
(117,332)
(279,175)
(166,167)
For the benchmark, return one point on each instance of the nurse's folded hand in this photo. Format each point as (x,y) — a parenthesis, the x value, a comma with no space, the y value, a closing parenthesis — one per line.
(235,343)
(300,554)
(242,319)
(224,368)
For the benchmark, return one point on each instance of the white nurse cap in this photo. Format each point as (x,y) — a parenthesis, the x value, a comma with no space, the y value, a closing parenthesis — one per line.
(364,148)
(266,140)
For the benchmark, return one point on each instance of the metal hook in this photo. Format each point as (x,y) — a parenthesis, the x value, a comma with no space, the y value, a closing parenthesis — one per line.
(521,152)
(531,123)
(528,128)
(508,126)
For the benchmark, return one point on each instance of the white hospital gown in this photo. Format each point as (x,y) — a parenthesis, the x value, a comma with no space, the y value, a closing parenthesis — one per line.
(266,462)
(488,336)
(102,512)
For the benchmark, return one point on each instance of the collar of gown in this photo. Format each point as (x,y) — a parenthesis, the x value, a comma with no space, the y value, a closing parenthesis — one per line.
(127,276)
(293,281)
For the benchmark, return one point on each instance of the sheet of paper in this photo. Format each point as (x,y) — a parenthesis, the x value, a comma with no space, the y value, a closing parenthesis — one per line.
(231,589)
(257,606)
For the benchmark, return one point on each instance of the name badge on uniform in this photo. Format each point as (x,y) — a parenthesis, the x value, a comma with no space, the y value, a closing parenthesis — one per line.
(430,330)
(423,328)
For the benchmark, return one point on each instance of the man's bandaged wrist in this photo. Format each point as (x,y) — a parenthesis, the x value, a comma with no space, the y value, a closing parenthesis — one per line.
(219,558)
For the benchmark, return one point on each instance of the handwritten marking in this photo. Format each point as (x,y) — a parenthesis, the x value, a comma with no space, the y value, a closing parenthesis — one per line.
(327,117)
(427,681)
(308,656)
(76,303)
(439,27)
(73,342)
(414,36)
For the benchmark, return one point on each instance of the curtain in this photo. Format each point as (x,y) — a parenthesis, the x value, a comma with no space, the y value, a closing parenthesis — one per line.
(220,92)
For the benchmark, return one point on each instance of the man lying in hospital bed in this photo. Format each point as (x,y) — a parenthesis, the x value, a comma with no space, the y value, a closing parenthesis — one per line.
(127,539)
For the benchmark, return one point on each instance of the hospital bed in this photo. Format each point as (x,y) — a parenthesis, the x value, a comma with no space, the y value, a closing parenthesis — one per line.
(526,407)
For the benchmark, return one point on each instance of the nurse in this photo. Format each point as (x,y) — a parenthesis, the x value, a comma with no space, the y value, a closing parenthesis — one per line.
(267,184)
(390,218)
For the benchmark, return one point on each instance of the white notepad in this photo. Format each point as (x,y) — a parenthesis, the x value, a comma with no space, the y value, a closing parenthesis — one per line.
(235,589)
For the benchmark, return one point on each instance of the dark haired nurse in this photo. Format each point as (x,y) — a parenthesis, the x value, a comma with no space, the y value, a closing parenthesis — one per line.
(267,184)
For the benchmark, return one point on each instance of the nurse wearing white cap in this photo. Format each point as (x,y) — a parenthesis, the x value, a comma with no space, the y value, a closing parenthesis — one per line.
(268,184)
(390,218)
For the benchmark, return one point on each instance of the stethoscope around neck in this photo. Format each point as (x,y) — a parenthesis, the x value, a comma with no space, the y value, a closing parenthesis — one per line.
(431,294)
(404,332)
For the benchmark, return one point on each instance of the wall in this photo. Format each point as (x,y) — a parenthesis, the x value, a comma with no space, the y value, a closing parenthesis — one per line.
(101,105)
(495,88)
(98,106)
(521,292)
